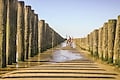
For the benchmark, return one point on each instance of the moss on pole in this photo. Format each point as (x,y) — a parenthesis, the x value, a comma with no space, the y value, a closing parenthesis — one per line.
(3,14)
(116,57)
(105,41)
(95,43)
(111,39)
(27,30)
(11,29)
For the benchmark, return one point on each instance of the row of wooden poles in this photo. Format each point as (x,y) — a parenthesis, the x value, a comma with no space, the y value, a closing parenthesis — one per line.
(104,43)
(22,34)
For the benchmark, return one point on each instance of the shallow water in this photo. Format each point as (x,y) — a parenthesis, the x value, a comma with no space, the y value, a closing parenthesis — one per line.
(62,55)
(64,44)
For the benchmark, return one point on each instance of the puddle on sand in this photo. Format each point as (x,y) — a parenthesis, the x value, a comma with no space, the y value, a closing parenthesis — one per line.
(64,55)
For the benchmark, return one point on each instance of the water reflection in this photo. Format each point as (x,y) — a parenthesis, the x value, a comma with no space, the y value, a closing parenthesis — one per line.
(64,55)
(63,44)
(73,45)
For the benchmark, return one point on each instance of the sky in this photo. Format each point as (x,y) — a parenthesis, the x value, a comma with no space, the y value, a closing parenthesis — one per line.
(75,18)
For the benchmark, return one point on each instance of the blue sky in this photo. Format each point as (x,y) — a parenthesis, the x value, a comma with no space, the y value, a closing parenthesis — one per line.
(76,18)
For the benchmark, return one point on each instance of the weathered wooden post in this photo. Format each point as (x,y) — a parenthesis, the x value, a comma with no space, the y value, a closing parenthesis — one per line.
(80,43)
(41,35)
(53,33)
(54,41)
(91,43)
(15,9)
(88,42)
(50,37)
(27,30)
(95,43)
(3,14)
(37,20)
(111,39)
(116,58)
(11,29)
(36,34)
(83,41)
(31,36)
(45,36)
(100,41)
(20,31)
(105,42)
